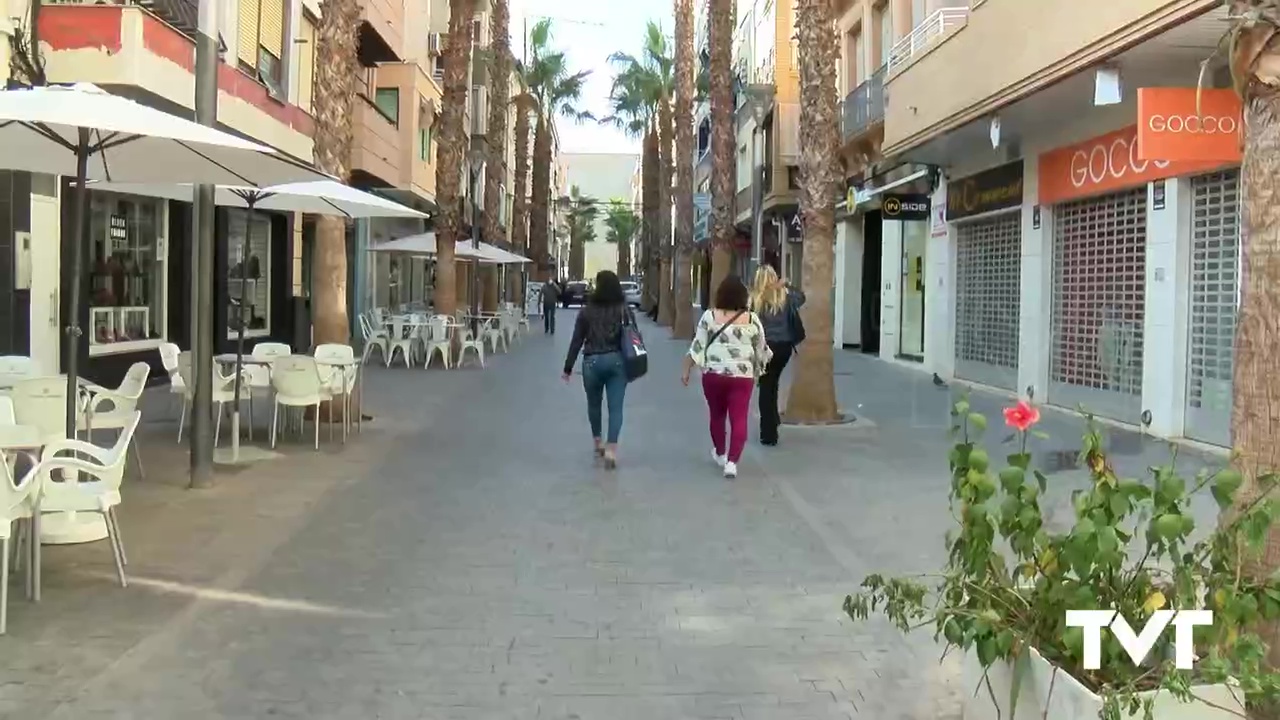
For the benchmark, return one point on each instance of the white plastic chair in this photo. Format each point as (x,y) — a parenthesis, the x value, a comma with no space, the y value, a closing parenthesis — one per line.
(101,494)
(6,411)
(113,409)
(438,341)
(492,335)
(471,342)
(404,337)
(17,367)
(338,380)
(223,393)
(17,503)
(374,337)
(296,379)
(41,402)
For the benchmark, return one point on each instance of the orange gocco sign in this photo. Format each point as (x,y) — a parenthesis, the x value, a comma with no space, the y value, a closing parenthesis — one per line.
(1105,163)
(1171,127)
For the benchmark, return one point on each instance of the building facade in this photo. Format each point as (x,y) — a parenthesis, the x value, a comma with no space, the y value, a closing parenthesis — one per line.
(602,177)
(1063,224)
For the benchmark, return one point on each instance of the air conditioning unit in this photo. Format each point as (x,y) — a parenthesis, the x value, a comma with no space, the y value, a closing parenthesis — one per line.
(479,110)
(434,44)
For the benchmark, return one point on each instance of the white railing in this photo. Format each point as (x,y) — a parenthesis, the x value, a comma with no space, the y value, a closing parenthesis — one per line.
(925,34)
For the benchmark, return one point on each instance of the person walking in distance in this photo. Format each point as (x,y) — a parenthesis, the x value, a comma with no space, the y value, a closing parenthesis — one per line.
(778,307)
(730,349)
(597,334)
(550,298)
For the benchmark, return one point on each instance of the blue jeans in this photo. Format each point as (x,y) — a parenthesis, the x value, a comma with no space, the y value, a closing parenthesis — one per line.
(603,376)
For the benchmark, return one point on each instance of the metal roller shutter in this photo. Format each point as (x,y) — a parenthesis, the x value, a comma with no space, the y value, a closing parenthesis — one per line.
(988,291)
(1099,252)
(1215,288)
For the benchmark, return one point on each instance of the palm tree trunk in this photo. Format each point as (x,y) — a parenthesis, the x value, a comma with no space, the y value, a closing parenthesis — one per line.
(720,42)
(624,257)
(648,218)
(666,302)
(520,191)
(335,95)
(538,218)
(451,152)
(500,61)
(813,394)
(682,327)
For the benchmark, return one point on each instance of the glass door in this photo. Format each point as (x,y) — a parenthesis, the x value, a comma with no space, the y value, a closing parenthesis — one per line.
(915,236)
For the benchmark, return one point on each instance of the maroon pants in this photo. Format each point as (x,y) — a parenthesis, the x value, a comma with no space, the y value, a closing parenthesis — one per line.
(730,396)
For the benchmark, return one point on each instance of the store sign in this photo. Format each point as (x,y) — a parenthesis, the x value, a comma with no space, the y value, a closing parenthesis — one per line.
(995,189)
(1189,124)
(1104,164)
(908,207)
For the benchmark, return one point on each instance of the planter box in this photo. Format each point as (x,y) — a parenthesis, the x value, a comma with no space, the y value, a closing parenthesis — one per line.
(1071,700)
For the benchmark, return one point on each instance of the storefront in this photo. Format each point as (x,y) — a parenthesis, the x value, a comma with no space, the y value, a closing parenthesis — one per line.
(986,210)
(909,215)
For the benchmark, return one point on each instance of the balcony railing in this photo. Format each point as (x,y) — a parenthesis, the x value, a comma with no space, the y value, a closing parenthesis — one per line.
(925,34)
(865,105)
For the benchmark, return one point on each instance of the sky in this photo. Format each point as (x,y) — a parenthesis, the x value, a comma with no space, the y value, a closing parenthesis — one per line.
(589,32)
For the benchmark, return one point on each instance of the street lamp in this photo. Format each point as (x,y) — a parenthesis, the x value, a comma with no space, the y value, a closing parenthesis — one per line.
(475,158)
(760,98)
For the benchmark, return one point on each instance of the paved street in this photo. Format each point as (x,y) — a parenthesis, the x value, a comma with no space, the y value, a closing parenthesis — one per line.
(464,558)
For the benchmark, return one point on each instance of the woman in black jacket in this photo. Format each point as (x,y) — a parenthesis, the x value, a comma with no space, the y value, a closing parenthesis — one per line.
(778,307)
(597,334)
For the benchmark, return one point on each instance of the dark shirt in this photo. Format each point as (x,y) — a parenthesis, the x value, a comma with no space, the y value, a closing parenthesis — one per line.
(550,294)
(777,326)
(597,331)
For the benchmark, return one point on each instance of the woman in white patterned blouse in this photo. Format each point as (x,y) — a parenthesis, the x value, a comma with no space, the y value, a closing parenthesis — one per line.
(730,350)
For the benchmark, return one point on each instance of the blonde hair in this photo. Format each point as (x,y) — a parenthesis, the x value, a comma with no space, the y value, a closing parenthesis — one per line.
(768,294)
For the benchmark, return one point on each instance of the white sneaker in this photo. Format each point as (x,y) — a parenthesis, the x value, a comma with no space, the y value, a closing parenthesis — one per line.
(731,470)
(720,459)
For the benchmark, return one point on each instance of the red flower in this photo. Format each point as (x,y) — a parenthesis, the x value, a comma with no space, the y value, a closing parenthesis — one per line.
(1021,416)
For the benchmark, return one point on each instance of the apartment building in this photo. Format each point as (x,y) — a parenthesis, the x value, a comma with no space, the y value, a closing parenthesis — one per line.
(1052,216)
(138,278)
(767,74)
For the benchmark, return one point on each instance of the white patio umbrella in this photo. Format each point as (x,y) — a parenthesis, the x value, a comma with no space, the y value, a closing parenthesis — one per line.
(424,244)
(320,197)
(87,133)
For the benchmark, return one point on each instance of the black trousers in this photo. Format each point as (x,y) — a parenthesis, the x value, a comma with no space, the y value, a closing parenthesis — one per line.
(549,319)
(769,417)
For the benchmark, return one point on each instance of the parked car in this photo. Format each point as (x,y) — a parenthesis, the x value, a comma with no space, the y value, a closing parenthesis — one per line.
(631,291)
(575,293)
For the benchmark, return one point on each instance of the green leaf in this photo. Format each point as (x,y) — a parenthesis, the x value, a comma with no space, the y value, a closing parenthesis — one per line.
(1168,526)
(1041,480)
(1020,460)
(979,460)
(977,421)
(1040,434)
(1107,540)
(1012,478)
(1225,485)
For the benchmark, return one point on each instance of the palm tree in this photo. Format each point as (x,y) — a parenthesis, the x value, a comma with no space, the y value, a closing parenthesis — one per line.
(581,213)
(454,140)
(556,90)
(813,393)
(500,61)
(682,325)
(1256,386)
(632,112)
(723,160)
(334,101)
(520,191)
(621,225)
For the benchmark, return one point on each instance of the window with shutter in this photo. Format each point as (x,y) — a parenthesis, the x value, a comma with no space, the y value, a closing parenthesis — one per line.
(306,63)
(271,27)
(247,32)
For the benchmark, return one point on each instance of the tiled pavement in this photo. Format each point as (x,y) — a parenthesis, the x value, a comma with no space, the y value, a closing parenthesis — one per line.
(464,558)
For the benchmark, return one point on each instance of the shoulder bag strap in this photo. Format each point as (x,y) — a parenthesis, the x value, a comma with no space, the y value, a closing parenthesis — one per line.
(720,330)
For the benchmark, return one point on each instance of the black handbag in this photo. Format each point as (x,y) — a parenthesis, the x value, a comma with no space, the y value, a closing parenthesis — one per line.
(635,357)
(795,322)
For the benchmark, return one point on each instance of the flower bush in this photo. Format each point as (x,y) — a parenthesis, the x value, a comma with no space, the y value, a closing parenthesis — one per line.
(1009,580)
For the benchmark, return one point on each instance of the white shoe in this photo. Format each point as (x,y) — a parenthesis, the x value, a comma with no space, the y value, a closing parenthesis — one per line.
(731,470)
(720,459)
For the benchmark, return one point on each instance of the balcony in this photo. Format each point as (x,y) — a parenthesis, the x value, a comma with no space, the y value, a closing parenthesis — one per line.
(864,107)
(933,30)
(381,31)
(934,85)
(742,205)
(376,157)
(133,51)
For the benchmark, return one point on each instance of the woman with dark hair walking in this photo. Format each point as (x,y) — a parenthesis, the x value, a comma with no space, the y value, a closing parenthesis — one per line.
(597,334)
(730,349)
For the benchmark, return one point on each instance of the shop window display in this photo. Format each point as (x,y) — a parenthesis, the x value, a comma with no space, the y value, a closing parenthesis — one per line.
(256,290)
(127,273)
